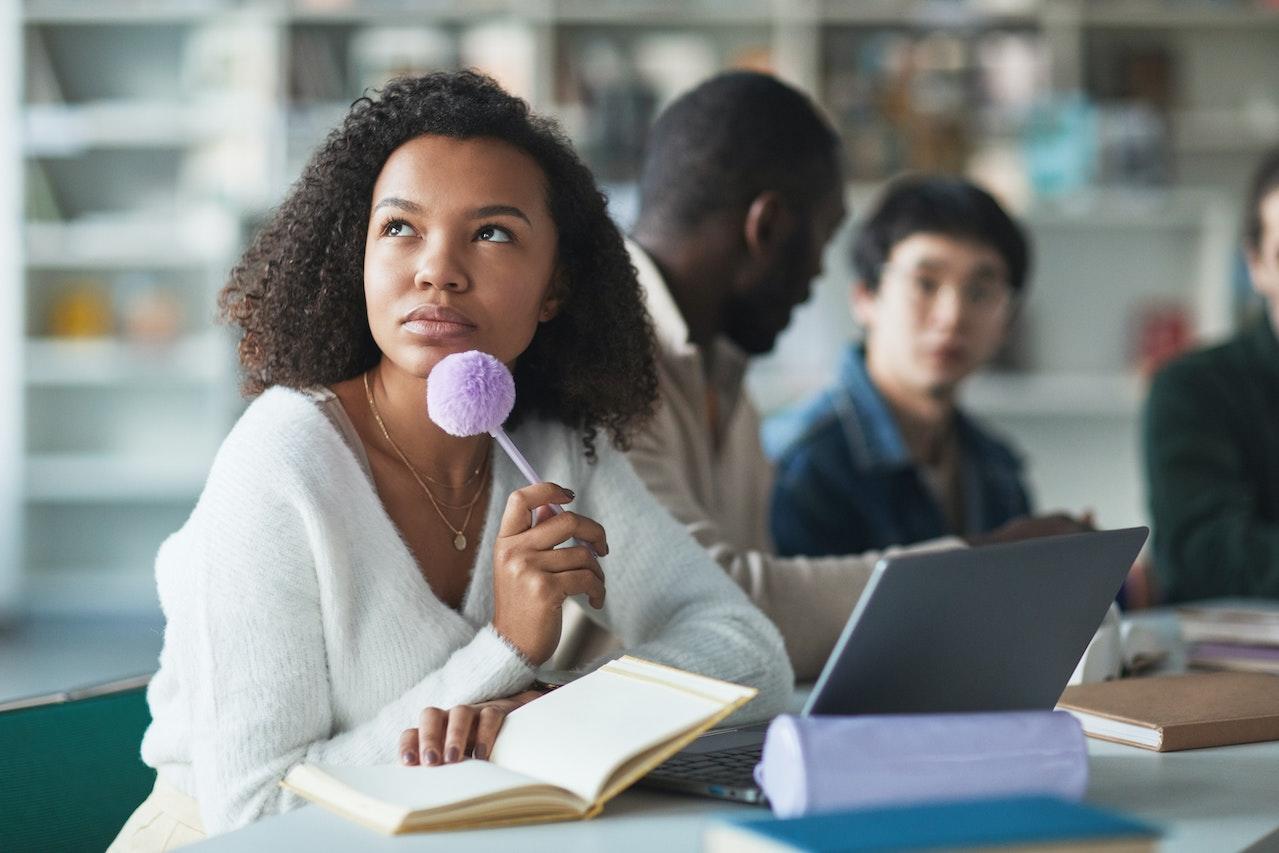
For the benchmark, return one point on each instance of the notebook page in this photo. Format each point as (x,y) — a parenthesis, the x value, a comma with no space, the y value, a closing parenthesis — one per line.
(577,735)
(421,788)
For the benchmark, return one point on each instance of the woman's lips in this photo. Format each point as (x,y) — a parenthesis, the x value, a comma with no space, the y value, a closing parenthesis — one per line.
(438,323)
(438,330)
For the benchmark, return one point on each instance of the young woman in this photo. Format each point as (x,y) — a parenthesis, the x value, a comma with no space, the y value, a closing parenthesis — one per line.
(351,571)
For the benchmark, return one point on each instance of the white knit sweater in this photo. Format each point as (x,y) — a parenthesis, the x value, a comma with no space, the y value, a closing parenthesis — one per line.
(300,629)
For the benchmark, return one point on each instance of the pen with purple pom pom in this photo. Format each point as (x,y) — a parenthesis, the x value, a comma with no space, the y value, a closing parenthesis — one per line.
(470,393)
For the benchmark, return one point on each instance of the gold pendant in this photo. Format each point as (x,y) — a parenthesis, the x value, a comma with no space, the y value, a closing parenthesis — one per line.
(459,541)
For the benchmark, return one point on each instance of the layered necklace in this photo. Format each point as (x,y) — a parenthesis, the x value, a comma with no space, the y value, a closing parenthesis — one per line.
(459,533)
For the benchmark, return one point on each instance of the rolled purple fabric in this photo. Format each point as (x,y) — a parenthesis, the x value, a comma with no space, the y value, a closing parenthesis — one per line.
(819,764)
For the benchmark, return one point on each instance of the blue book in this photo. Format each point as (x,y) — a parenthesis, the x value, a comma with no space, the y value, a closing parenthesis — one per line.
(1019,823)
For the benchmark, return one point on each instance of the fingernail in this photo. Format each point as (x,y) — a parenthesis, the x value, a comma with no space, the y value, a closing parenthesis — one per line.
(430,756)
(571,494)
(409,757)
(452,754)
(480,751)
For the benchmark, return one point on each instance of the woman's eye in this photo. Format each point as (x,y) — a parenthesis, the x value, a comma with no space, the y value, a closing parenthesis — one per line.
(494,234)
(399,228)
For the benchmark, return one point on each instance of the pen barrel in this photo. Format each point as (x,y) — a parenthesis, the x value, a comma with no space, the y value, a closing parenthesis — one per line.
(529,474)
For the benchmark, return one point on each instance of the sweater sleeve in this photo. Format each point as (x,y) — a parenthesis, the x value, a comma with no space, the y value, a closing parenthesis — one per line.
(1210,539)
(666,599)
(808,598)
(248,606)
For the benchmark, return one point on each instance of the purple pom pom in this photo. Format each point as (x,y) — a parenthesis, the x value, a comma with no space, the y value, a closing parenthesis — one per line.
(469,393)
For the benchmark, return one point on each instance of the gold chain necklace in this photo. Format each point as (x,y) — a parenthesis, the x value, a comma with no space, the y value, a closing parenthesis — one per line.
(459,534)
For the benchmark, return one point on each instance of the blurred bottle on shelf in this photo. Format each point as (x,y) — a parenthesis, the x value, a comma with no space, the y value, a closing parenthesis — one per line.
(81,310)
(1161,333)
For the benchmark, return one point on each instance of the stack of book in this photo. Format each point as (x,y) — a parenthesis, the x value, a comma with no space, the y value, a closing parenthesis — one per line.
(1232,634)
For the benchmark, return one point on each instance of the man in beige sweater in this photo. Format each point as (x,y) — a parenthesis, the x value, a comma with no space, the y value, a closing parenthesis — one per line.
(740,191)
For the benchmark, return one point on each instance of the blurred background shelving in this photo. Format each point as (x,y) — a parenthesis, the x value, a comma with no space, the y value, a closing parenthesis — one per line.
(156,135)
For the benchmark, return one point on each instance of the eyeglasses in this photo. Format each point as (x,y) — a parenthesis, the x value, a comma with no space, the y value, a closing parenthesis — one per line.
(981,295)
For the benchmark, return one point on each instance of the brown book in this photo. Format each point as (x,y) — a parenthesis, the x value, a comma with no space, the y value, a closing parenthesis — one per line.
(1171,712)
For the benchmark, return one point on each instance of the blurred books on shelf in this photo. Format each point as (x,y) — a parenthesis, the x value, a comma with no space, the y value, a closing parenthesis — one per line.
(1235,656)
(378,54)
(1060,142)
(315,72)
(506,51)
(1230,620)
(1232,634)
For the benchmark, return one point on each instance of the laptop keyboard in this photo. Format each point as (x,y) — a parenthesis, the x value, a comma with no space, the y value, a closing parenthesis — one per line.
(733,767)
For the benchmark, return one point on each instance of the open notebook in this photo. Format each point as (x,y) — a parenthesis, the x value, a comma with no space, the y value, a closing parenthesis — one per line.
(560,757)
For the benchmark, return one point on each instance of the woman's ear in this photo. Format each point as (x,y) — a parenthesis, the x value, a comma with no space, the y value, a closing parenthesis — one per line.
(766,225)
(554,297)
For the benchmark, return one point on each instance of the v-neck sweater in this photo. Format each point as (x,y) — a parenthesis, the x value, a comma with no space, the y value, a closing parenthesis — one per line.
(299,627)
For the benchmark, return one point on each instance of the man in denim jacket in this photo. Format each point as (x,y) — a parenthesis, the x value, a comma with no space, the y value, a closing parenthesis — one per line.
(886,457)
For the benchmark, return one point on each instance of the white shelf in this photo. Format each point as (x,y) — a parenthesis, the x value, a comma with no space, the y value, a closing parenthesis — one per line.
(195,360)
(1147,15)
(131,241)
(120,11)
(1060,395)
(96,478)
(60,130)
(314,119)
(1141,209)
(1224,131)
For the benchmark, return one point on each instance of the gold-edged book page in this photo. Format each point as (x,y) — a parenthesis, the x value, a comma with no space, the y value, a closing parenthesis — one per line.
(636,768)
(393,798)
(580,736)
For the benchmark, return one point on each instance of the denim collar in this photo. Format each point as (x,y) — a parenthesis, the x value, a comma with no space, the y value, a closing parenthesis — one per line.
(869,427)
(874,439)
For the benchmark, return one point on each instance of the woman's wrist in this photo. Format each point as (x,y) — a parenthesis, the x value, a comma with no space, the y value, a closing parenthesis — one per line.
(514,647)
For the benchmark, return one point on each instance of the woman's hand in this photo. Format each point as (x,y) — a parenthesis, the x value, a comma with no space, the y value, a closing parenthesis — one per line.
(532,577)
(446,737)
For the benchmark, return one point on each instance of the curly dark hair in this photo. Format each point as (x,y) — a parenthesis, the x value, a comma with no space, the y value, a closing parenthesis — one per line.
(298,291)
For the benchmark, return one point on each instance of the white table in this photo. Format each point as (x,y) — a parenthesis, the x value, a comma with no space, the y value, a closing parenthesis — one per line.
(1205,800)
(1223,799)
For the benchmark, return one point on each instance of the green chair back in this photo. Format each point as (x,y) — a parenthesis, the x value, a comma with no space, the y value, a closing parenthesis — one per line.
(70,768)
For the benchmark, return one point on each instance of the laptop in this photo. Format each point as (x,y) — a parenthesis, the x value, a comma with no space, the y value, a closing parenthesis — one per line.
(997,628)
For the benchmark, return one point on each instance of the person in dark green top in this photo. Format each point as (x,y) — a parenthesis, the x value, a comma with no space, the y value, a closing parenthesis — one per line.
(1211,430)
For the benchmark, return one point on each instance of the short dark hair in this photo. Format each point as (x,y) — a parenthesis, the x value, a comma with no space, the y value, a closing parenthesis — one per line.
(297,294)
(937,204)
(720,145)
(1264,181)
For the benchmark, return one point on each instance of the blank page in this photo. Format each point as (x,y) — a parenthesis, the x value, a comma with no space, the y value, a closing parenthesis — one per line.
(577,735)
